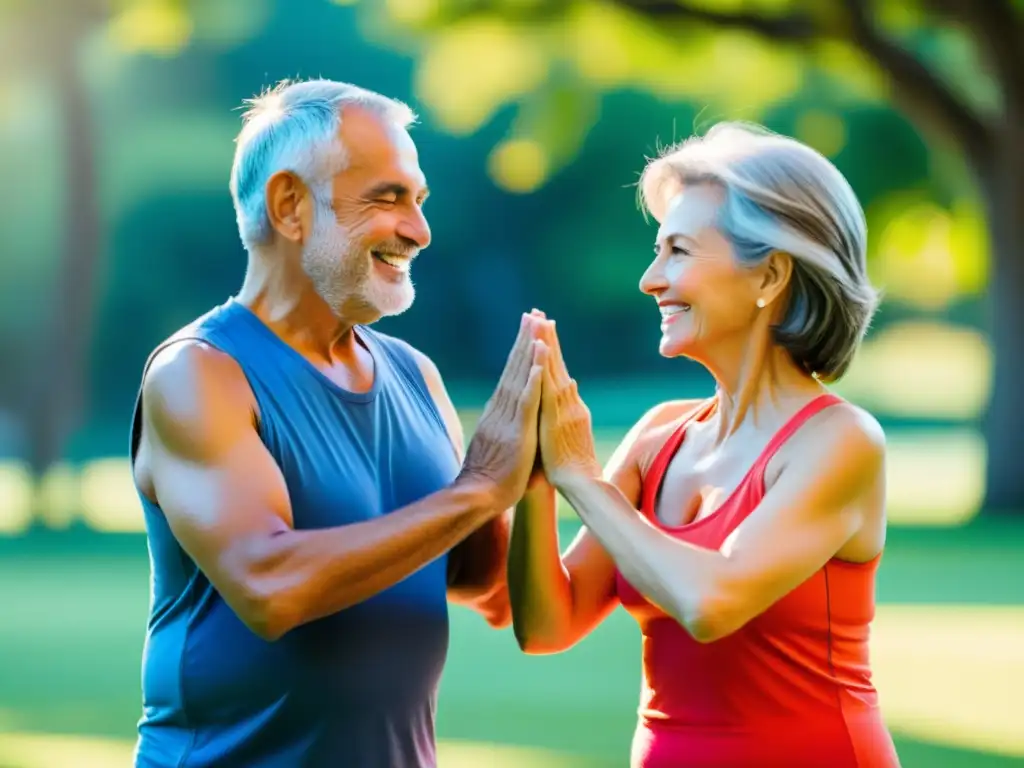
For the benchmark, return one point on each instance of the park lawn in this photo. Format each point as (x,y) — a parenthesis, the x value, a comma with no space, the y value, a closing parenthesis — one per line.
(947,652)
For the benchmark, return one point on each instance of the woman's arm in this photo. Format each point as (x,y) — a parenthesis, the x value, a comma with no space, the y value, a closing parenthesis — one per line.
(817,505)
(557,601)
(835,472)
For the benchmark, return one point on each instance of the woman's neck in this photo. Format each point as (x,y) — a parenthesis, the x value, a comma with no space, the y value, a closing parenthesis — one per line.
(765,382)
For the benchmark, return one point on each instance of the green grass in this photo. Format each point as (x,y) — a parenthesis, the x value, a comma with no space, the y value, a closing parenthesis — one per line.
(952,616)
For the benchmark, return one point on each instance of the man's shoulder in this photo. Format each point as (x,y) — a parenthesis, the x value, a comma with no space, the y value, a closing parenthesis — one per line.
(184,359)
(394,342)
(428,369)
(432,379)
(191,347)
(195,399)
(189,371)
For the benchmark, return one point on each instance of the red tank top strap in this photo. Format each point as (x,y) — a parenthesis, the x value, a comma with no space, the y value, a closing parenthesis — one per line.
(754,480)
(651,480)
(816,406)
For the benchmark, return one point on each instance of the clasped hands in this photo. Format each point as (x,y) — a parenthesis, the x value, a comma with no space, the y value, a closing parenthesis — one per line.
(535,422)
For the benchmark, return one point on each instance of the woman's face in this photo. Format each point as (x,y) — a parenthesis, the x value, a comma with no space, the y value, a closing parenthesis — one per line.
(708,302)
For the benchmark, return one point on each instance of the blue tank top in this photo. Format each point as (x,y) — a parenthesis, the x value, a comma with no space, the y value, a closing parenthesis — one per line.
(356,689)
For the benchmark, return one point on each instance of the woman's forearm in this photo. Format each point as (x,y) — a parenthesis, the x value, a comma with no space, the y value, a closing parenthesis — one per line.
(678,577)
(540,592)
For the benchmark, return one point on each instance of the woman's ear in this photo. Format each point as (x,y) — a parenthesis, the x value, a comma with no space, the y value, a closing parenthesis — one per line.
(774,277)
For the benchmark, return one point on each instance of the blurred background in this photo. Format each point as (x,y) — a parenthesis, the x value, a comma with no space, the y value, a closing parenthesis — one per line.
(117,120)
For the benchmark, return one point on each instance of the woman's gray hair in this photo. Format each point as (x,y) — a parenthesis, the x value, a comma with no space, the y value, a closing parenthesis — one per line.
(294,127)
(782,196)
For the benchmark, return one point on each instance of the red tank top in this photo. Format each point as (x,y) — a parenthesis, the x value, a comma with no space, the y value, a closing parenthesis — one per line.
(790,689)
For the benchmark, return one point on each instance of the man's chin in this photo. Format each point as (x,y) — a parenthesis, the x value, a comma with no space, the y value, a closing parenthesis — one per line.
(396,309)
(389,298)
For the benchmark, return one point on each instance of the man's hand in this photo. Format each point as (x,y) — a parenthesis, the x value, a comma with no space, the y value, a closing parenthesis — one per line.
(504,446)
(566,436)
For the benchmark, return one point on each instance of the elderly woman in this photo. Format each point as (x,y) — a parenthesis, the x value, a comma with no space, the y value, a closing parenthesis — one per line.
(743,532)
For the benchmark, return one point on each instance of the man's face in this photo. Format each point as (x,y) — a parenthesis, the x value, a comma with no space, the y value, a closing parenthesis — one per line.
(359,253)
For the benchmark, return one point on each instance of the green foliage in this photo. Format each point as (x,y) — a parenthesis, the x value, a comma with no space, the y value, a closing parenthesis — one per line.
(552,60)
(735,58)
(581,93)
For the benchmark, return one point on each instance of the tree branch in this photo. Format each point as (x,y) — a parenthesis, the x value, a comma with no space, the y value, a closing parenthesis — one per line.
(998,31)
(917,89)
(793,28)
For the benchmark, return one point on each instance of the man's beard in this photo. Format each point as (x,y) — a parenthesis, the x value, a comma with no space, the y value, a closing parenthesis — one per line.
(341,271)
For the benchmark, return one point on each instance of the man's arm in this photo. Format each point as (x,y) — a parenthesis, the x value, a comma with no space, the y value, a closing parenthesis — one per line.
(227,504)
(476,571)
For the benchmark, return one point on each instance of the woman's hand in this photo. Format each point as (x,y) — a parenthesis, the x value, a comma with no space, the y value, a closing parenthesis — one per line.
(566,437)
(538,480)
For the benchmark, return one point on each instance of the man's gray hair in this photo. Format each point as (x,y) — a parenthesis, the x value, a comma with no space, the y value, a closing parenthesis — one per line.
(294,127)
(782,196)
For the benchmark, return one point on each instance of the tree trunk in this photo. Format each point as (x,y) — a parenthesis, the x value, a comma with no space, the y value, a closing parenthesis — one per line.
(59,393)
(1003,186)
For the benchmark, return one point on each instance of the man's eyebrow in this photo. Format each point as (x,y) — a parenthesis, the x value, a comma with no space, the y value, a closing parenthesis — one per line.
(395,187)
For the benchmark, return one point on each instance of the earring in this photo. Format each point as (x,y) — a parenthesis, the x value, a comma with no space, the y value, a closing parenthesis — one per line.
(760,303)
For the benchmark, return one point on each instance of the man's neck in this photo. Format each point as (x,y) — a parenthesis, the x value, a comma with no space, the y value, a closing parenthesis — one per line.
(290,307)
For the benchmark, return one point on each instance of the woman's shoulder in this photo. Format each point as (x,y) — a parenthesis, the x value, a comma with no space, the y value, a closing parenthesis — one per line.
(840,424)
(654,427)
(843,435)
(666,416)
(657,425)
(641,444)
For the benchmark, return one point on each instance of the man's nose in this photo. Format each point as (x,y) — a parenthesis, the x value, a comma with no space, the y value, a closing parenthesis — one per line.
(415,229)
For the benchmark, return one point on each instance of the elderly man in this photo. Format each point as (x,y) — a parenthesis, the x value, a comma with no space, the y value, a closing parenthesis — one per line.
(308,506)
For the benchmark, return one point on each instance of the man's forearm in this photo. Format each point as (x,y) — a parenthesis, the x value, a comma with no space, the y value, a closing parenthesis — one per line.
(481,558)
(477,577)
(297,576)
